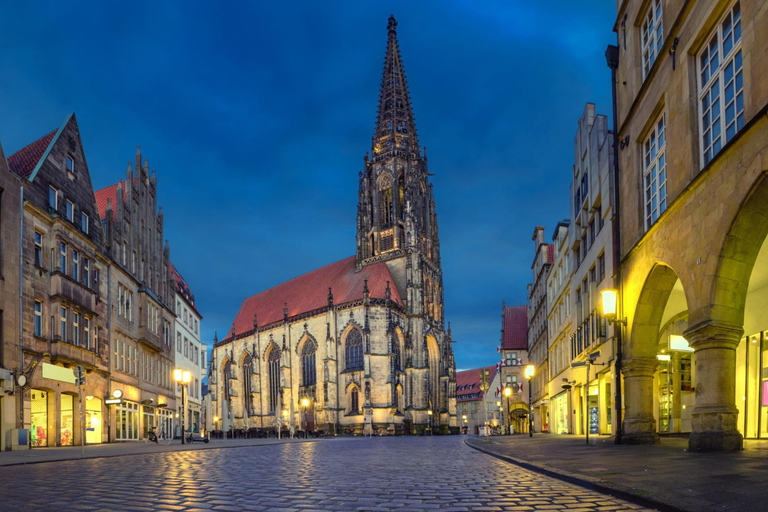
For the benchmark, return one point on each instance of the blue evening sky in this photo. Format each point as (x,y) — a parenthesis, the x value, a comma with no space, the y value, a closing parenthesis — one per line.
(256,117)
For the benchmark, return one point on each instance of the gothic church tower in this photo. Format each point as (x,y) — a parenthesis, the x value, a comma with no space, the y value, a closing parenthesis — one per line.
(397,224)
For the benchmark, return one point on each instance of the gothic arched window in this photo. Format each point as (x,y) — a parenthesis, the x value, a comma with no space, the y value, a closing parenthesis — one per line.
(354,350)
(248,385)
(387,207)
(401,195)
(354,400)
(308,372)
(273,362)
(227,376)
(396,350)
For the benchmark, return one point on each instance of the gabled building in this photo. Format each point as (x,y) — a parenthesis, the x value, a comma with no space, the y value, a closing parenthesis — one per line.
(143,293)
(514,357)
(538,334)
(190,353)
(472,402)
(10,397)
(65,292)
(362,340)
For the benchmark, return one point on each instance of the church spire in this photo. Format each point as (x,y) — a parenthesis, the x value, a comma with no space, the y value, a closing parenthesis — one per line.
(395,124)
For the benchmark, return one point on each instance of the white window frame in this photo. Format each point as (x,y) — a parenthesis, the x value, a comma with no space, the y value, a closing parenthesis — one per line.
(651,36)
(70,213)
(38,326)
(63,257)
(86,272)
(86,332)
(63,313)
(53,190)
(75,328)
(84,221)
(75,264)
(38,249)
(654,154)
(69,163)
(719,71)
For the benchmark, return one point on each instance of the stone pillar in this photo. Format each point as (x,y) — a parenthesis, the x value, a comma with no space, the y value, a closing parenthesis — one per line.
(715,414)
(639,423)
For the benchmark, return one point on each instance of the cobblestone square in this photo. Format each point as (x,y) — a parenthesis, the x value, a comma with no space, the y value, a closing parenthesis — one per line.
(350,474)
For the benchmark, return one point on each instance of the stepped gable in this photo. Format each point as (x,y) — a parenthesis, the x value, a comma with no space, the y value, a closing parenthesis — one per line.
(515,328)
(24,161)
(309,292)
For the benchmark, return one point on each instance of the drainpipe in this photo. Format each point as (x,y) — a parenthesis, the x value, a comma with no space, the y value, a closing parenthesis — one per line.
(612,59)
(20,423)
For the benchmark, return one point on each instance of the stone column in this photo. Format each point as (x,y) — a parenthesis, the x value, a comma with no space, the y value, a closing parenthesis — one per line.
(639,423)
(715,414)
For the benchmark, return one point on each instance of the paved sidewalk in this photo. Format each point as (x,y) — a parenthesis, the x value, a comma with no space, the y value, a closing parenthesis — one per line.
(665,474)
(95,451)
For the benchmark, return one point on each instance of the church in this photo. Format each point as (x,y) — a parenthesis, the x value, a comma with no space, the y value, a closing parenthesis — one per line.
(360,342)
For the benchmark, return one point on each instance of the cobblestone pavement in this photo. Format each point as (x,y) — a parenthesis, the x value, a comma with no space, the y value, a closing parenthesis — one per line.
(404,474)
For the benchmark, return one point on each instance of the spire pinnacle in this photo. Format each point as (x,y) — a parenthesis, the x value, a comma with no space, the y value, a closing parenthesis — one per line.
(395,124)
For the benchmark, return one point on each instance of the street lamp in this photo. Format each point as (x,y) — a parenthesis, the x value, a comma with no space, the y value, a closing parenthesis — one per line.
(182,377)
(215,422)
(507,393)
(305,404)
(429,413)
(529,370)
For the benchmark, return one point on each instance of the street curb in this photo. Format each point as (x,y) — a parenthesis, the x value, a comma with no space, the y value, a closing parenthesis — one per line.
(91,457)
(582,481)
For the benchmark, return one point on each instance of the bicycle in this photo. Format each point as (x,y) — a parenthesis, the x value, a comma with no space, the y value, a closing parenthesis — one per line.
(162,438)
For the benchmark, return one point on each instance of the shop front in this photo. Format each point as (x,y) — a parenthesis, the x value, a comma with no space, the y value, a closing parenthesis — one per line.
(127,421)
(560,416)
(67,420)
(752,386)
(38,432)
(93,420)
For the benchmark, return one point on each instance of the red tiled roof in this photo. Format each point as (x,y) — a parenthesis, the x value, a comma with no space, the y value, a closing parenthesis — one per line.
(309,292)
(108,194)
(183,289)
(551,253)
(468,382)
(24,161)
(515,327)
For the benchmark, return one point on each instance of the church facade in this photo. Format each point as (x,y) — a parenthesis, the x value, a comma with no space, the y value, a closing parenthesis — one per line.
(361,341)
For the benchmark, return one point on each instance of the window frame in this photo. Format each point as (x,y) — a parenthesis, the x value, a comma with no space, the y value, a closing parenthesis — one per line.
(38,321)
(654,161)
(55,192)
(85,220)
(69,163)
(70,211)
(651,36)
(716,78)
(38,249)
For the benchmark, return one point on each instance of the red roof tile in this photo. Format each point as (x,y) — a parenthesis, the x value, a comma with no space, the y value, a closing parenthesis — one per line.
(183,289)
(107,194)
(468,382)
(309,292)
(24,161)
(515,327)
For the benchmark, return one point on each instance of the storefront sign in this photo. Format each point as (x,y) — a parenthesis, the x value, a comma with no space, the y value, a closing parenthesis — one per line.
(59,373)
(110,401)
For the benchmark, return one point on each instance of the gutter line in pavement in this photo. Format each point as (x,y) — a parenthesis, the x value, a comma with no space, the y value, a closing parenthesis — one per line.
(582,482)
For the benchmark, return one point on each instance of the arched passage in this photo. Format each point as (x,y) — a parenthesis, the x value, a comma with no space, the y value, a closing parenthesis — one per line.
(729,401)
(433,381)
(646,395)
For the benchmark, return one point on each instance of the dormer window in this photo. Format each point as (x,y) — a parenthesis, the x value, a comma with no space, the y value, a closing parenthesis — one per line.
(70,164)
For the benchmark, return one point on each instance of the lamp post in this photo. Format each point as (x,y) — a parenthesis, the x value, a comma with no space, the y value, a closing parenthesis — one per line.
(507,393)
(429,413)
(529,370)
(304,405)
(182,377)
(610,301)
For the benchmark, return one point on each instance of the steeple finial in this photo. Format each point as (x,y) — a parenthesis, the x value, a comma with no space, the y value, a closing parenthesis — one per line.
(395,124)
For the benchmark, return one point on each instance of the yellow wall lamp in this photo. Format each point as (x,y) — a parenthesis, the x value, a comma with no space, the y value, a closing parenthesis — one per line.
(610,301)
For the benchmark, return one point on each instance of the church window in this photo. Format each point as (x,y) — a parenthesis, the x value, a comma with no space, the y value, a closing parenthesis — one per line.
(227,376)
(354,401)
(308,373)
(248,385)
(387,208)
(401,196)
(273,361)
(354,350)
(396,351)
